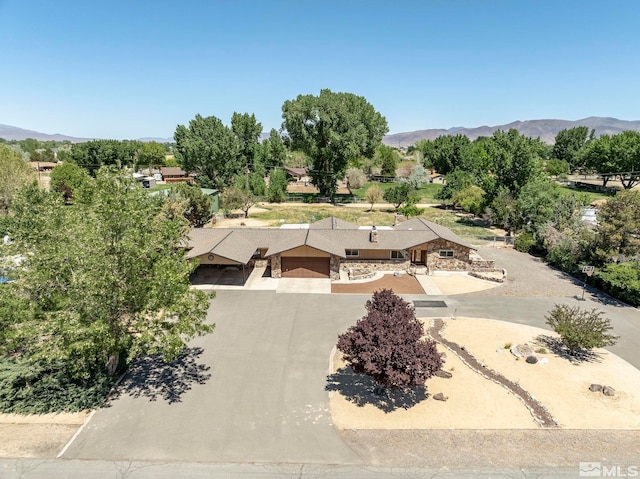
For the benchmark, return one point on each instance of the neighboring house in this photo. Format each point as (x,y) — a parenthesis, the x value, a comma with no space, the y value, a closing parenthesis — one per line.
(173,174)
(298,173)
(331,245)
(43,165)
(215,196)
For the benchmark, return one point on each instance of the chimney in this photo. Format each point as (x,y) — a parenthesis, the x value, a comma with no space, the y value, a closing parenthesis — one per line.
(373,236)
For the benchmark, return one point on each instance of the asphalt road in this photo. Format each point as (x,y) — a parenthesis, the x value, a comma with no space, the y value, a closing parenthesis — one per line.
(255,394)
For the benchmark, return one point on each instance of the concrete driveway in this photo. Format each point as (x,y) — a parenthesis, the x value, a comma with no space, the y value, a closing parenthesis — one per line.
(255,392)
(263,402)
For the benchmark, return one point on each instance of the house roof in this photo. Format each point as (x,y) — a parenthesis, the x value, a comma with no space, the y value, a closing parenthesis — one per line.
(330,235)
(332,223)
(172,171)
(299,172)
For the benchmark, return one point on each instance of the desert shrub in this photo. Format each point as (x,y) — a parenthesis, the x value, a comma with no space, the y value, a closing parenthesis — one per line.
(356,178)
(580,329)
(524,242)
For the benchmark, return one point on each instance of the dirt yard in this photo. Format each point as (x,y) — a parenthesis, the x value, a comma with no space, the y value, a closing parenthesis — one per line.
(37,435)
(474,402)
(404,284)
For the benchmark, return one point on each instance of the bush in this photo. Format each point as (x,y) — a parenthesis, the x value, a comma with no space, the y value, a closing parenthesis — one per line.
(524,242)
(28,387)
(356,178)
(580,330)
(388,344)
(622,280)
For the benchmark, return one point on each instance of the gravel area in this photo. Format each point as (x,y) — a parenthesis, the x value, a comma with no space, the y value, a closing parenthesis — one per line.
(528,276)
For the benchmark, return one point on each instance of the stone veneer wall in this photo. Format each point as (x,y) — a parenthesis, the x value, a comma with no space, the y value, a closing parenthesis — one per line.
(459,262)
(376,264)
(482,265)
(276,266)
(334,267)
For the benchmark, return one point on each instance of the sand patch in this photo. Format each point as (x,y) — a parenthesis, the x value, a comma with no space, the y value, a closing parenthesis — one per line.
(477,403)
(456,283)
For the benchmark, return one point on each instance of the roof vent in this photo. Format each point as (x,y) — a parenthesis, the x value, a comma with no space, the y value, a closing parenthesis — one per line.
(373,236)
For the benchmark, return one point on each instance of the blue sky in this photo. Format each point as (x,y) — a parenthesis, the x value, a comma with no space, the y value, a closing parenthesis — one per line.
(134,68)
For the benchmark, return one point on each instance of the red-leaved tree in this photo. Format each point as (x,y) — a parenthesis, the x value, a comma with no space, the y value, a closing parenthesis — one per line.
(387,344)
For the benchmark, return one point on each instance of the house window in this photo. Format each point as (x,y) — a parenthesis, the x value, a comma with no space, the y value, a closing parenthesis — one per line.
(351,253)
(257,254)
(446,253)
(397,254)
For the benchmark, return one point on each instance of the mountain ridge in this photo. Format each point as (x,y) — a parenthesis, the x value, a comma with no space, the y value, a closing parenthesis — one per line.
(545,129)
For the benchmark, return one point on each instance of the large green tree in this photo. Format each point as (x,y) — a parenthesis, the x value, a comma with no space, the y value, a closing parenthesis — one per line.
(151,154)
(618,233)
(15,173)
(107,275)
(67,178)
(332,128)
(247,131)
(273,151)
(616,154)
(210,149)
(514,160)
(570,144)
(94,154)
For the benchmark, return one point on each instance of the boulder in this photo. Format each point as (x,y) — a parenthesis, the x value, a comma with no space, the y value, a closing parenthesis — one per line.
(531,359)
(439,397)
(608,391)
(522,350)
(595,388)
(441,373)
(543,360)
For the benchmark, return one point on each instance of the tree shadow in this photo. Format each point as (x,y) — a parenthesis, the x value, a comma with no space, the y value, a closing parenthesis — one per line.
(153,378)
(556,346)
(361,390)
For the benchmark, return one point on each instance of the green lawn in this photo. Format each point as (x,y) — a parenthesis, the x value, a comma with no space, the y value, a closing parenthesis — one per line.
(456,221)
(427,192)
(591,195)
(163,186)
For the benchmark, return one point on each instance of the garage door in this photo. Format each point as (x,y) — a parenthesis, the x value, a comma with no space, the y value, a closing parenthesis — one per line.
(296,267)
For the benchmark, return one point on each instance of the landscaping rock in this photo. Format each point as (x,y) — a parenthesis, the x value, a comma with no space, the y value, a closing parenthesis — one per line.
(543,360)
(439,397)
(608,391)
(522,350)
(443,374)
(532,359)
(595,388)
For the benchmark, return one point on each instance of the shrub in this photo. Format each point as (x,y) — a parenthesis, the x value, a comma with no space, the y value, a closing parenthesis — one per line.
(28,387)
(356,178)
(388,345)
(579,329)
(524,242)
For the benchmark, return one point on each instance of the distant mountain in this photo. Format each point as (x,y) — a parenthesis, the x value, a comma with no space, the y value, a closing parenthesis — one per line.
(148,139)
(546,130)
(9,132)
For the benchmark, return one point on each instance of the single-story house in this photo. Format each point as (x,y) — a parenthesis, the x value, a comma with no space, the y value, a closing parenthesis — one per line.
(173,174)
(298,173)
(43,165)
(330,245)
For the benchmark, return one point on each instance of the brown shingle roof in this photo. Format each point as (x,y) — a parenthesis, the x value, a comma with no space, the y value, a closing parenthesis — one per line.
(172,171)
(239,244)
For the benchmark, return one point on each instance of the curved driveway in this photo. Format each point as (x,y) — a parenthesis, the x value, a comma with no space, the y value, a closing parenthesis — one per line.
(265,400)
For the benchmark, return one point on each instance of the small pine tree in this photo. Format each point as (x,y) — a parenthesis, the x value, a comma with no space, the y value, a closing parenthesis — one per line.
(388,345)
(580,329)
